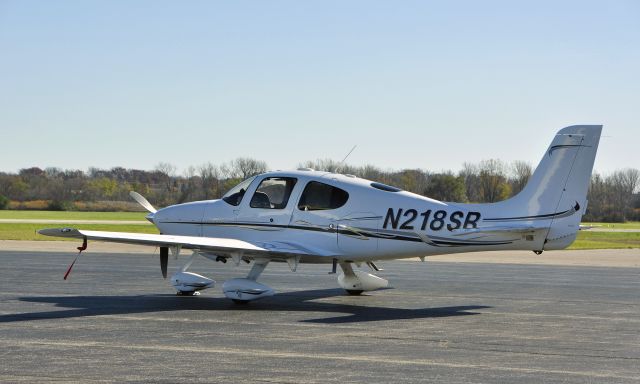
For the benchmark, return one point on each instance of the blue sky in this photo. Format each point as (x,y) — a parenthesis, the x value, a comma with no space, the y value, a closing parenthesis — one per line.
(414,84)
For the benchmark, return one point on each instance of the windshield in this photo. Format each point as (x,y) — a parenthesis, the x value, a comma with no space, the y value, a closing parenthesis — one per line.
(235,194)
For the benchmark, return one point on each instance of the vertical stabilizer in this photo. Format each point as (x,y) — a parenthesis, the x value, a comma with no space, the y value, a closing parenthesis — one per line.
(557,191)
(583,141)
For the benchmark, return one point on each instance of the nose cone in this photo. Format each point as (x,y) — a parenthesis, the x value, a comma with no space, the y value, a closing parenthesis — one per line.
(150,217)
(180,219)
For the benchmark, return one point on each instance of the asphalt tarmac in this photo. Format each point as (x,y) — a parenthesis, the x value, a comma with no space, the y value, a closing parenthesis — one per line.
(117,320)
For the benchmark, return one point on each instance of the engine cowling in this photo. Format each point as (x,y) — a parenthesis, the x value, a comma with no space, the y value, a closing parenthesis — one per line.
(191,282)
(245,290)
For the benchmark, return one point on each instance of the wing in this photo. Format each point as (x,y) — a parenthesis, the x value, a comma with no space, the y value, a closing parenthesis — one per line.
(277,251)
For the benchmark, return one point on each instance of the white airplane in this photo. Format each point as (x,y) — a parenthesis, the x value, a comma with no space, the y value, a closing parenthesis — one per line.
(307,216)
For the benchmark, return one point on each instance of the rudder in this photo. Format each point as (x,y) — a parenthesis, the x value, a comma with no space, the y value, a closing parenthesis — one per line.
(556,193)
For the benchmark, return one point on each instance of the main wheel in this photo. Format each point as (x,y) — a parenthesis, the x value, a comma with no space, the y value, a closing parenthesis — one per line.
(354,292)
(240,302)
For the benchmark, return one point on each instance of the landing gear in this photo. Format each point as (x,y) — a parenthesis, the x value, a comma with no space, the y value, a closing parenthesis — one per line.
(242,291)
(355,281)
(189,283)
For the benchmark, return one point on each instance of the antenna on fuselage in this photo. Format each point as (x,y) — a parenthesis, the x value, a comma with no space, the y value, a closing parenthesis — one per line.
(343,160)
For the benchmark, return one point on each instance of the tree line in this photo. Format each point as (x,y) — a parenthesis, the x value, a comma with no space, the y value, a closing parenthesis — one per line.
(612,198)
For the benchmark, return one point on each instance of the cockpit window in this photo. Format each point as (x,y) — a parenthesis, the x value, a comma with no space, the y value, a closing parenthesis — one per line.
(273,193)
(235,194)
(318,196)
(385,187)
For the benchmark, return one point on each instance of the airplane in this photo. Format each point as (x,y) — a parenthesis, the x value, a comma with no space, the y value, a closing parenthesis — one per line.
(308,216)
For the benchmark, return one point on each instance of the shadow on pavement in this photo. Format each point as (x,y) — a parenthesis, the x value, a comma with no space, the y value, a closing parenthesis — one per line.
(298,301)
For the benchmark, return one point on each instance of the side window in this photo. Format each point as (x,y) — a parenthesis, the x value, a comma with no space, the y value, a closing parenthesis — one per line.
(273,193)
(318,196)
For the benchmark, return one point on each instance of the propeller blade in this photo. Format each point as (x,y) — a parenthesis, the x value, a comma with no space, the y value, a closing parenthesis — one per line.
(70,267)
(164,260)
(142,201)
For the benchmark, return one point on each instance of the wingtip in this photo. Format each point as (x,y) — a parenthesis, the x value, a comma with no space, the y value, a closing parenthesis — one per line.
(60,232)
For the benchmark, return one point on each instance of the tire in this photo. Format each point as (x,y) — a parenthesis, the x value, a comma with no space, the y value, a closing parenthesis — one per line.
(354,292)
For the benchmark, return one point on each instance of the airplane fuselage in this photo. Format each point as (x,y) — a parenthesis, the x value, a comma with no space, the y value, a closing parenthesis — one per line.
(375,222)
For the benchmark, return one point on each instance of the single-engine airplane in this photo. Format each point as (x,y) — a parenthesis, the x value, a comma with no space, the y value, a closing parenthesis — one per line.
(307,216)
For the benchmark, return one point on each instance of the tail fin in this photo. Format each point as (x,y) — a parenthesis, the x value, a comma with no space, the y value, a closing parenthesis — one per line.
(557,190)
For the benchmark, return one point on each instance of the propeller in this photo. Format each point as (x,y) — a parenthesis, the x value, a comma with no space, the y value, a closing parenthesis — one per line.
(142,201)
(164,260)
(164,251)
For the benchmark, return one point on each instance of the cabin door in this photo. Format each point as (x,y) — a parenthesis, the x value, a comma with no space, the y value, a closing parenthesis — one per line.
(358,233)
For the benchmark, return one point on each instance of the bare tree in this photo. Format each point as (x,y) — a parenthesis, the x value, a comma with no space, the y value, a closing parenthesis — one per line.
(597,207)
(630,180)
(244,167)
(493,181)
(166,168)
(210,178)
(189,186)
(521,171)
(412,180)
(371,172)
(167,174)
(623,184)
(327,165)
(470,174)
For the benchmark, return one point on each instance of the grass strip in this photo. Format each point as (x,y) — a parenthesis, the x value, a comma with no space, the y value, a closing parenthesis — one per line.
(71,215)
(28,231)
(627,225)
(606,240)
